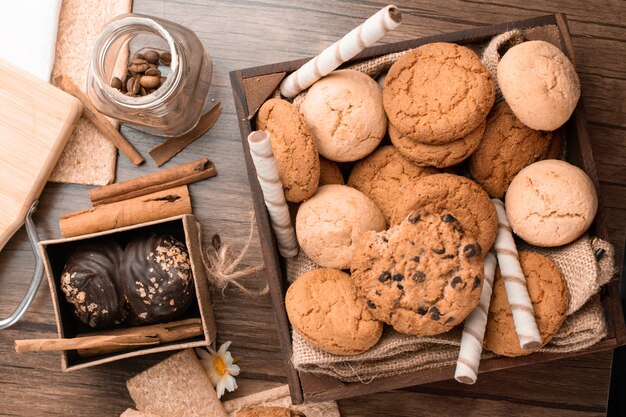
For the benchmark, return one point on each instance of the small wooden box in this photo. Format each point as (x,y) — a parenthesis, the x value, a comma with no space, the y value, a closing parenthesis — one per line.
(56,252)
(253,84)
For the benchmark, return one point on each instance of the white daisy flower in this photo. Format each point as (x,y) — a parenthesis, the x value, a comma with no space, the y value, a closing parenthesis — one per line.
(220,368)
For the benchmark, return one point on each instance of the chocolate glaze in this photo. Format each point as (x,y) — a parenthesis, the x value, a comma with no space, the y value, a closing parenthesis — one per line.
(88,282)
(155,278)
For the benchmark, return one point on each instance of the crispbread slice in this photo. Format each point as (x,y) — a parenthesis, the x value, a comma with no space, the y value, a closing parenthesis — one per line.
(130,412)
(176,387)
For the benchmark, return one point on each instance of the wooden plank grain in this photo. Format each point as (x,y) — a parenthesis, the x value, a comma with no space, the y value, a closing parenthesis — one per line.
(245,33)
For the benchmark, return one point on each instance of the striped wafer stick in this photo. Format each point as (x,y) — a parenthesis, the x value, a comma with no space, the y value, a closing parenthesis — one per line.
(267,174)
(515,283)
(365,35)
(474,329)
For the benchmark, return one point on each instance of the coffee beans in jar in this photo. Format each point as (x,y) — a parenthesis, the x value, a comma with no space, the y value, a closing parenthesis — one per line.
(143,75)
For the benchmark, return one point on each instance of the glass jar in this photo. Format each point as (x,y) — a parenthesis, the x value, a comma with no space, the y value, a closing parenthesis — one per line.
(172,109)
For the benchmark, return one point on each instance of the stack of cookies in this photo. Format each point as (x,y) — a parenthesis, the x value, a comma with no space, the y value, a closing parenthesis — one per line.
(403,244)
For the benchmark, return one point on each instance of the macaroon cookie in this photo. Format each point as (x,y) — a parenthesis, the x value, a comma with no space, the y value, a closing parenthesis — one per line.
(329,224)
(330,173)
(345,112)
(438,93)
(385,176)
(539,83)
(550,299)
(324,307)
(293,148)
(551,203)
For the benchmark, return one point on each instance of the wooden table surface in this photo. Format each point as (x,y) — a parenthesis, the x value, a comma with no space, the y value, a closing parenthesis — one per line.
(244,33)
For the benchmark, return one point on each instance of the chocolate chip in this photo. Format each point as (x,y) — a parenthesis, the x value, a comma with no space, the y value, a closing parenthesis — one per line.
(447,257)
(418,276)
(415,259)
(400,287)
(434,313)
(439,251)
(398,277)
(458,228)
(370,304)
(422,310)
(414,218)
(456,281)
(377,293)
(384,277)
(476,282)
(470,250)
(449,320)
(448,218)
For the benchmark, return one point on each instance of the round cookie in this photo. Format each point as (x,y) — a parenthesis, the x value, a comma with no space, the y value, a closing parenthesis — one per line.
(385,176)
(551,203)
(423,276)
(293,147)
(437,93)
(346,115)
(461,197)
(329,224)
(440,156)
(539,83)
(330,172)
(323,306)
(506,148)
(548,293)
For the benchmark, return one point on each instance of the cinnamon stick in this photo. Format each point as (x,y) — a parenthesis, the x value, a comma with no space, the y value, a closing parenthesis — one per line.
(157,181)
(165,333)
(114,341)
(168,149)
(99,121)
(136,210)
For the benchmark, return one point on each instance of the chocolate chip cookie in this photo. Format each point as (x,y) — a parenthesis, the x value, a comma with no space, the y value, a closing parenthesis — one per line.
(293,148)
(385,176)
(440,156)
(423,276)
(459,196)
(437,93)
(548,293)
(507,147)
(323,306)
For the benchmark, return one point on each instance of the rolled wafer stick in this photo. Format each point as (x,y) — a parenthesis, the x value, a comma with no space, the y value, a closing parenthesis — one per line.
(267,173)
(365,35)
(474,328)
(515,283)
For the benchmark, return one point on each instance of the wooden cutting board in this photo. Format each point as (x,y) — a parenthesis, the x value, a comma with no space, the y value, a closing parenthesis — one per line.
(36,120)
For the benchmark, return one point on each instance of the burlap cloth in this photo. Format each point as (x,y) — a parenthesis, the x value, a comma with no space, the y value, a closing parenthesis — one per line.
(397,353)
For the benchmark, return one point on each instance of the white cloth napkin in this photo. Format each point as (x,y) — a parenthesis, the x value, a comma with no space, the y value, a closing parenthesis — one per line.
(28,33)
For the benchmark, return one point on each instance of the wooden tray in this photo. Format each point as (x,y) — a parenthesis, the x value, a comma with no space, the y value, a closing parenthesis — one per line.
(254,85)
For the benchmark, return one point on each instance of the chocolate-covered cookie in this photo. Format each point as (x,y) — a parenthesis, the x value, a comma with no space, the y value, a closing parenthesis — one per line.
(88,282)
(155,278)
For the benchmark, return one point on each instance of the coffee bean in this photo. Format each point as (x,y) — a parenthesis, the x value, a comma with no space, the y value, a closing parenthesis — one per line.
(448,218)
(151,56)
(414,218)
(384,277)
(418,276)
(456,281)
(370,304)
(153,71)
(139,56)
(422,310)
(138,66)
(132,86)
(470,250)
(398,277)
(166,58)
(116,83)
(476,282)
(143,92)
(150,81)
(434,313)
(439,251)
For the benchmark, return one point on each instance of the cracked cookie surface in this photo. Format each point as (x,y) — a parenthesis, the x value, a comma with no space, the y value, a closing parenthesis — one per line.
(329,224)
(385,176)
(548,294)
(345,112)
(293,148)
(551,203)
(423,276)
(459,196)
(506,148)
(437,93)
(323,306)
(439,156)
